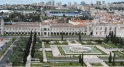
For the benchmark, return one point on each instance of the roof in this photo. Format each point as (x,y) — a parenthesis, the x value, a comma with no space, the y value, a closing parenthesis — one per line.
(24,24)
(64,25)
(79,22)
(5,11)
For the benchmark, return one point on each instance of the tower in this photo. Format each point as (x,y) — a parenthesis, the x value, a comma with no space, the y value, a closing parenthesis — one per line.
(52,2)
(82,3)
(69,4)
(1,26)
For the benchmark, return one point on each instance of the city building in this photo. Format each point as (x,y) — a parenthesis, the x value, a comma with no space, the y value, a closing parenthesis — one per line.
(42,3)
(98,2)
(48,27)
(69,4)
(52,2)
(82,3)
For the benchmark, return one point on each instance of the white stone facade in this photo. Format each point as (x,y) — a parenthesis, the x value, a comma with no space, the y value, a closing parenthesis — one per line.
(47,29)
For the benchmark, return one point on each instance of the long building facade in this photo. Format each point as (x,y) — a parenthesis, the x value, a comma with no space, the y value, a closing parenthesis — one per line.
(48,28)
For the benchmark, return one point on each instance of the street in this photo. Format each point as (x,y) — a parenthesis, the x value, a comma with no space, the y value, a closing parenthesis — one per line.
(6,56)
(65,37)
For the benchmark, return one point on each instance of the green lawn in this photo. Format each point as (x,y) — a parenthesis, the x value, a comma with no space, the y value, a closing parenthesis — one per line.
(64,64)
(38,54)
(116,64)
(64,42)
(112,45)
(56,43)
(49,54)
(72,41)
(103,53)
(81,42)
(105,46)
(4,50)
(47,45)
(36,64)
(119,54)
(96,64)
(61,50)
(89,43)
(18,64)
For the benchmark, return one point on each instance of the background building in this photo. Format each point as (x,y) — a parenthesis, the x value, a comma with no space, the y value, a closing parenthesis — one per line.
(82,3)
(69,4)
(52,2)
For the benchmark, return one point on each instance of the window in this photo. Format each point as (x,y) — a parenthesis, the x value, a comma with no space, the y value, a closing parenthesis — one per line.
(105,29)
(110,28)
(96,28)
(45,29)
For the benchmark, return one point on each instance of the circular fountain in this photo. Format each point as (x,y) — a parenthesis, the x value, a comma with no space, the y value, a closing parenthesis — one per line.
(80,49)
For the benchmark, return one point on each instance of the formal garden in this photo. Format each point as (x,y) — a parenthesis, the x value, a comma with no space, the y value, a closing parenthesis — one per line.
(64,56)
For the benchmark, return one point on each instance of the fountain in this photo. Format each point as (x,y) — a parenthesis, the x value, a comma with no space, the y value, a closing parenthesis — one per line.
(80,49)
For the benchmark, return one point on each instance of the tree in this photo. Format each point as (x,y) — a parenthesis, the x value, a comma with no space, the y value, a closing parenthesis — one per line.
(82,59)
(79,36)
(110,58)
(113,63)
(79,58)
(33,45)
(27,49)
(62,36)
(64,15)
(112,35)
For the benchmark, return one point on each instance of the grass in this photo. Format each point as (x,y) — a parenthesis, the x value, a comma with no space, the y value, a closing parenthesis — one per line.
(64,64)
(81,42)
(47,45)
(36,64)
(56,43)
(89,43)
(61,50)
(18,64)
(112,45)
(119,54)
(49,54)
(96,64)
(103,53)
(72,41)
(38,54)
(105,46)
(65,43)
(116,64)
(4,50)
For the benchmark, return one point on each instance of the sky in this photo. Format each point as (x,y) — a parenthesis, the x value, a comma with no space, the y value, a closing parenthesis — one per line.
(63,1)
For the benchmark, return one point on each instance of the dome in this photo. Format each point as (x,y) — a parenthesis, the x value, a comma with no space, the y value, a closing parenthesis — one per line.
(5,11)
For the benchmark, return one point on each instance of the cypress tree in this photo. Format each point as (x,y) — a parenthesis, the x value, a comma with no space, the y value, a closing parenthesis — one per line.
(121,42)
(62,36)
(82,60)
(112,36)
(110,58)
(109,36)
(33,45)
(113,63)
(27,49)
(79,58)
(79,36)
